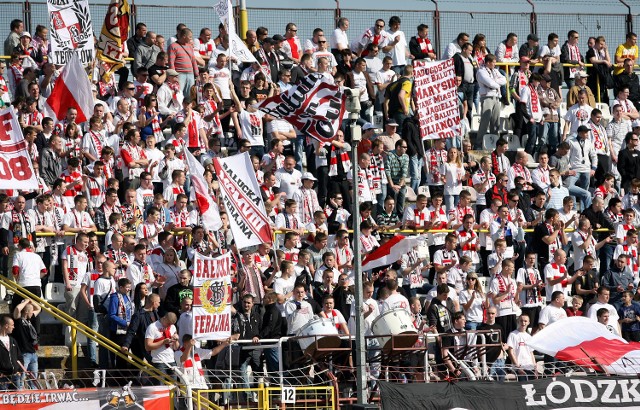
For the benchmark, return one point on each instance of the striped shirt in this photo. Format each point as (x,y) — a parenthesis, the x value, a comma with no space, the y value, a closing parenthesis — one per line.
(181,58)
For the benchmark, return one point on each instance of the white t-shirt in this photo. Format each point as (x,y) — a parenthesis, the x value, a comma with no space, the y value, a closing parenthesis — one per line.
(399,52)
(395,301)
(221,77)
(551,314)
(339,37)
(283,286)
(517,340)
(78,263)
(252,127)
(475,311)
(593,312)
(164,353)
(29,265)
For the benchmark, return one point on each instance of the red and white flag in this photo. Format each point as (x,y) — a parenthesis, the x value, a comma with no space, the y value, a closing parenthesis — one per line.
(206,204)
(390,251)
(242,199)
(72,89)
(588,343)
(314,107)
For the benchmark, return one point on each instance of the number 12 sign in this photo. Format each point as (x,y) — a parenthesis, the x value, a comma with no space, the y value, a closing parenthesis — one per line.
(16,170)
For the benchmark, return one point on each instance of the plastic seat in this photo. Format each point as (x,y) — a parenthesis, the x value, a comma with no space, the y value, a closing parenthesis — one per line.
(489,142)
(54,292)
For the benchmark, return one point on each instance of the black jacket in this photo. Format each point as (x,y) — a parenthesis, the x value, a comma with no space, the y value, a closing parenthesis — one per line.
(565,58)
(134,340)
(9,358)
(415,50)
(628,80)
(271,323)
(411,134)
(598,220)
(628,166)
(175,294)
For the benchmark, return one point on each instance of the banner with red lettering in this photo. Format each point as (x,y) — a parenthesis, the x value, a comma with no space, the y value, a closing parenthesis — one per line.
(212,297)
(16,171)
(241,196)
(129,397)
(314,107)
(436,94)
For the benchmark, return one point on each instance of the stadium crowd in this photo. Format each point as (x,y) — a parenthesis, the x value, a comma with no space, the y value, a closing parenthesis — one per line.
(541,231)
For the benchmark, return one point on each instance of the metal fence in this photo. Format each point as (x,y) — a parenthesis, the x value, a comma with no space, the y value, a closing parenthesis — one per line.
(445,25)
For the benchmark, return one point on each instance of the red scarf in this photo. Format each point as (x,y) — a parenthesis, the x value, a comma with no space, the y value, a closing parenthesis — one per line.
(437,217)
(420,217)
(425,44)
(97,142)
(598,138)
(562,270)
(633,260)
(574,55)
(333,161)
(535,104)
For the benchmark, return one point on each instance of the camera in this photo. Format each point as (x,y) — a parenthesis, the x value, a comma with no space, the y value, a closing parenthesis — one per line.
(353,100)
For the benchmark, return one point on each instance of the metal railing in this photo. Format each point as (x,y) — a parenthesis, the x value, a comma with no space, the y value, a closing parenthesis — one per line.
(102,340)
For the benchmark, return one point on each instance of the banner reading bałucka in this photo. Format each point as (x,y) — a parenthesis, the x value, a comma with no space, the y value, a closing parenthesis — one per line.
(242,199)
(70,30)
(436,94)
(212,297)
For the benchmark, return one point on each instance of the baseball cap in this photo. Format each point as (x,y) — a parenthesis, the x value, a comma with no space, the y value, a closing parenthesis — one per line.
(309,176)
(581,74)
(25,34)
(268,40)
(277,37)
(546,77)
(392,123)
(172,73)
(368,126)
(583,128)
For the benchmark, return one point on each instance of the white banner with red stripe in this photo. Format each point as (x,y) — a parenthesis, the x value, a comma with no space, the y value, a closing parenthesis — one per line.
(587,343)
(242,200)
(436,94)
(391,251)
(212,297)
(16,171)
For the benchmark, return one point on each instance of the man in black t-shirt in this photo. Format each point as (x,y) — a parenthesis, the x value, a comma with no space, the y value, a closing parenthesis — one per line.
(26,336)
(496,354)
(548,237)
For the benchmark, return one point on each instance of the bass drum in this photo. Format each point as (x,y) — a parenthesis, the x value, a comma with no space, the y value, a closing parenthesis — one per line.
(395,322)
(321,330)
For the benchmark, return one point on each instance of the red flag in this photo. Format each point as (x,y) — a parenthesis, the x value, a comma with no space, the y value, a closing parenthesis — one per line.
(72,89)
(390,251)
(206,204)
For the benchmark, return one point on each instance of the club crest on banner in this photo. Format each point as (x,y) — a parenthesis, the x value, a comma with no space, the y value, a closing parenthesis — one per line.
(215,296)
(71,31)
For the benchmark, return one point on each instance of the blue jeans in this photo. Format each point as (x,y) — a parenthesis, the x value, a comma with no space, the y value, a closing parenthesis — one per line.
(450,201)
(298,150)
(186,82)
(10,382)
(381,197)
(536,138)
(271,357)
(398,69)
(578,187)
(30,362)
(497,370)
(247,379)
(257,150)
(551,131)
(471,325)
(92,322)
(399,197)
(415,166)
(399,118)
(606,256)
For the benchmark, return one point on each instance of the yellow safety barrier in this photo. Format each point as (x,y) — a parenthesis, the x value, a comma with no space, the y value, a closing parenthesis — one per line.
(100,339)
(265,398)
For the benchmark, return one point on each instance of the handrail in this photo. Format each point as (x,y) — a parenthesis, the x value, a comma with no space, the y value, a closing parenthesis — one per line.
(100,339)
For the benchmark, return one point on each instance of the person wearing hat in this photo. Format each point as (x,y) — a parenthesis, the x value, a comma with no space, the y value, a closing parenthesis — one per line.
(550,101)
(268,58)
(629,110)
(28,54)
(584,160)
(368,133)
(530,49)
(307,199)
(389,137)
(170,96)
(580,80)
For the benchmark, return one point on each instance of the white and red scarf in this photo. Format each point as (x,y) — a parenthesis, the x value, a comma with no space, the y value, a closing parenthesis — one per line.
(333,160)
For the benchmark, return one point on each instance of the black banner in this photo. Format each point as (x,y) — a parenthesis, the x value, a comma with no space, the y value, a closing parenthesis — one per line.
(551,393)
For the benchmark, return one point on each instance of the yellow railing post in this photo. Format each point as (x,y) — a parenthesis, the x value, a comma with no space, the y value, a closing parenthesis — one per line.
(74,351)
(598,88)
(506,70)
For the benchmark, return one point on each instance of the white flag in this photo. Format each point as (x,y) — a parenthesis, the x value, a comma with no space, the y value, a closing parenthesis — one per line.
(237,47)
